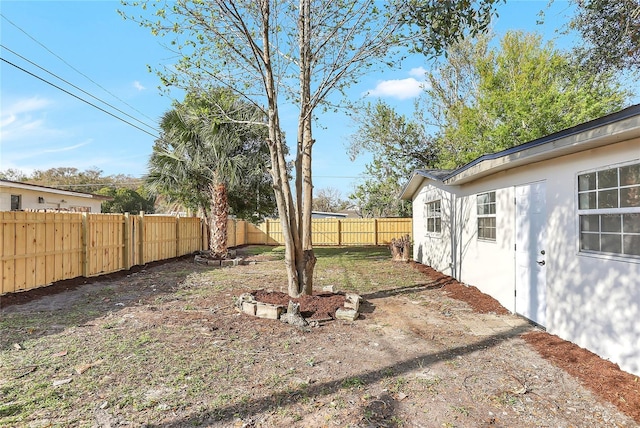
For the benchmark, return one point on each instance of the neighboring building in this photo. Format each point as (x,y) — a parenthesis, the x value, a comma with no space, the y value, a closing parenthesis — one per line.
(550,228)
(322,214)
(16,196)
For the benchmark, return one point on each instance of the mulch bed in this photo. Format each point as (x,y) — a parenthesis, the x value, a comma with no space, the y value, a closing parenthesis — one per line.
(479,302)
(315,307)
(602,377)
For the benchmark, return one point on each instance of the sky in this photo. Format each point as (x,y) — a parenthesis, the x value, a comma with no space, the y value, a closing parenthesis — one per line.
(91,47)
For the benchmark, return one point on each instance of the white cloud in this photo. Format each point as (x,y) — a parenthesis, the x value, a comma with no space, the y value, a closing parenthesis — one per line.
(68,148)
(24,118)
(27,105)
(138,86)
(397,88)
(418,72)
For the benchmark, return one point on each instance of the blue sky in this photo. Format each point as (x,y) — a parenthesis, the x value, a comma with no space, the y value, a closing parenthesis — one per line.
(88,44)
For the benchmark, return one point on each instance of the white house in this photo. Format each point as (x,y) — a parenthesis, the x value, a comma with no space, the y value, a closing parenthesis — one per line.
(17,196)
(550,228)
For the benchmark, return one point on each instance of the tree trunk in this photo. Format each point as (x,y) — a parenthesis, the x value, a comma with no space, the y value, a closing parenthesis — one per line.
(294,212)
(306,257)
(400,249)
(218,221)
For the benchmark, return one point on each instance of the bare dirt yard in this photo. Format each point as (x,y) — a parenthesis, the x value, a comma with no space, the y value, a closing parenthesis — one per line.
(165,346)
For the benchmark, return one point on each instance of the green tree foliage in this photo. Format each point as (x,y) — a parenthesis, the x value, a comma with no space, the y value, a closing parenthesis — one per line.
(610,30)
(68,178)
(329,200)
(442,22)
(486,100)
(379,194)
(271,52)
(399,145)
(209,150)
(13,174)
(184,160)
(126,201)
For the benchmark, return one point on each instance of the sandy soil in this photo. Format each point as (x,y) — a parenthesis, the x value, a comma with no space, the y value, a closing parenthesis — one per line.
(431,355)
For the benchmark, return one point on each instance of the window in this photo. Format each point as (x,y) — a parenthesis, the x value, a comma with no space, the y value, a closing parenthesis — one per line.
(16,202)
(486,206)
(609,210)
(434,221)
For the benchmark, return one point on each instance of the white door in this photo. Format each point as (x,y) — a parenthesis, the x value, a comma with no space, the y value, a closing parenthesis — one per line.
(531,253)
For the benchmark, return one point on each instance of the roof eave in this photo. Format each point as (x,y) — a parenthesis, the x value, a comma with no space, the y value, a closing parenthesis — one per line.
(584,137)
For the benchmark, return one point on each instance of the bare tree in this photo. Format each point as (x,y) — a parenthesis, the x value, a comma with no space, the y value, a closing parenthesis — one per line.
(329,200)
(272,52)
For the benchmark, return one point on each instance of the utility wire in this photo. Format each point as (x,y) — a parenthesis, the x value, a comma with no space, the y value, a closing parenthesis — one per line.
(76,87)
(76,96)
(73,68)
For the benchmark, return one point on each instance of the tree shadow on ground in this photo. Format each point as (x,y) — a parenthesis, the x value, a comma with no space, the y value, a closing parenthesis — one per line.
(249,408)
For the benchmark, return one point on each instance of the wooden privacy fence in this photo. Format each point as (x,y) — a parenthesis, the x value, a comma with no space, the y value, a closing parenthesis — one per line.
(39,248)
(330,231)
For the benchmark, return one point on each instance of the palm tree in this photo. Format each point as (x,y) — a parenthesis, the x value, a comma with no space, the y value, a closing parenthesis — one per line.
(202,152)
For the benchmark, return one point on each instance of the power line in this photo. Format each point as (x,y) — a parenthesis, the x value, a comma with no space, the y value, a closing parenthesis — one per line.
(76,96)
(76,87)
(73,68)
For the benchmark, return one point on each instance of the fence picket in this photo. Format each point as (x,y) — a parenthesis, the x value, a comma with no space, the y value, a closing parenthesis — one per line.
(39,248)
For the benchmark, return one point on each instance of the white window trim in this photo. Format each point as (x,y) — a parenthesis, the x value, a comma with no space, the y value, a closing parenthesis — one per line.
(427,217)
(494,216)
(601,211)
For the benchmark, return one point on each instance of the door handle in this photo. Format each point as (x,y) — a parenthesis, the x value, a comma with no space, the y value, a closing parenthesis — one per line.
(541,263)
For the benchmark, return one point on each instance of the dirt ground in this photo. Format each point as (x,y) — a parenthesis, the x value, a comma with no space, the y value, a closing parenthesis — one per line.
(434,354)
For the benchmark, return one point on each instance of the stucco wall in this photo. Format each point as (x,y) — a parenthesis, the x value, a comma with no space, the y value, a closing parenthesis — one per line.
(592,300)
(51,200)
(433,249)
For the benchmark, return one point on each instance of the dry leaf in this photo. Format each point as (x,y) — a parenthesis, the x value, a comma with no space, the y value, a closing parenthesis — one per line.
(60,354)
(17,346)
(83,368)
(62,381)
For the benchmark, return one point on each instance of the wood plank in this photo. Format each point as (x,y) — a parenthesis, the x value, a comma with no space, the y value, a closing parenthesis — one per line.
(41,249)
(8,249)
(50,258)
(30,251)
(20,280)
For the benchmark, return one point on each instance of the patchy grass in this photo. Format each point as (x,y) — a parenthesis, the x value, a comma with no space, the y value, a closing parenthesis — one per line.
(179,345)
(166,347)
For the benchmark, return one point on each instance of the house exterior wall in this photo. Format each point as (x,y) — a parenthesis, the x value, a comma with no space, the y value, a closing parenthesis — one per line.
(30,200)
(592,300)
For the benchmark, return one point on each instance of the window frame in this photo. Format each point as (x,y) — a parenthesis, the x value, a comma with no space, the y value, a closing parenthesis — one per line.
(486,211)
(433,211)
(19,205)
(602,218)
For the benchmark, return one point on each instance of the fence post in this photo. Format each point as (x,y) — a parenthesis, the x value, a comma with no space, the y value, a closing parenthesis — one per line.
(375,232)
(85,244)
(266,231)
(126,242)
(141,240)
(245,237)
(339,232)
(178,235)
(203,232)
